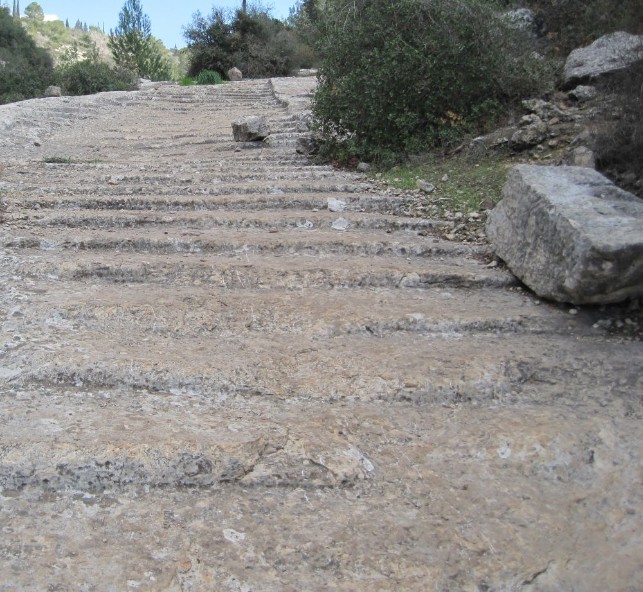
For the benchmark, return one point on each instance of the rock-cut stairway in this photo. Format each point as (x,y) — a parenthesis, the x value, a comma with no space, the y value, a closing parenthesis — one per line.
(206,385)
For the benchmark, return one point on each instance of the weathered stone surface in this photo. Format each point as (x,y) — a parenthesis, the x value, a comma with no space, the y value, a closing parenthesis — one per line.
(250,129)
(234,74)
(53,91)
(608,54)
(196,361)
(570,234)
(582,156)
(533,131)
(583,93)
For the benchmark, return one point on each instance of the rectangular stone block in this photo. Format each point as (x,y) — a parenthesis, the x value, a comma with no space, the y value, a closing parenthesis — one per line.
(570,234)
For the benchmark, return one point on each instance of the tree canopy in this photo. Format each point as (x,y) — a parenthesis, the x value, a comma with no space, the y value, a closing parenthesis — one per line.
(133,46)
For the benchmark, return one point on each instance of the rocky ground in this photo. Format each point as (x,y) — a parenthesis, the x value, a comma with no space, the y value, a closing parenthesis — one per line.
(210,380)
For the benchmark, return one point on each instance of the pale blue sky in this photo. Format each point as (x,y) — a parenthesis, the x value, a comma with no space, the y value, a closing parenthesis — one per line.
(168,17)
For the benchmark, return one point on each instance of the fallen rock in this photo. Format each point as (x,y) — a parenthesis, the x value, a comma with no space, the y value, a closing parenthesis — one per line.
(53,91)
(533,131)
(336,205)
(307,144)
(250,129)
(570,234)
(608,54)
(234,74)
(582,156)
(425,186)
(583,93)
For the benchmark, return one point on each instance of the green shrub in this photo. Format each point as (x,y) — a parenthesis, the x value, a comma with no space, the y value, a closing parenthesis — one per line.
(575,23)
(91,76)
(25,70)
(209,77)
(415,74)
(252,41)
(620,148)
(187,81)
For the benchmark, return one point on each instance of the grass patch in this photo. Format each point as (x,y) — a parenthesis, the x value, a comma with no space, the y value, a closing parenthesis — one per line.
(58,160)
(68,160)
(462,183)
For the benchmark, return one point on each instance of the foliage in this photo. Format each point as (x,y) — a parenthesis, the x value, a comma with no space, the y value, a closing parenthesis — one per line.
(34,11)
(414,74)
(25,70)
(90,75)
(133,46)
(187,81)
(575,23)
(209,77)
(620,149)
(252,41)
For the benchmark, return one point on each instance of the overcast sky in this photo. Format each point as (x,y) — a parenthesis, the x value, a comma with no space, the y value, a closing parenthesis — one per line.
(168,17)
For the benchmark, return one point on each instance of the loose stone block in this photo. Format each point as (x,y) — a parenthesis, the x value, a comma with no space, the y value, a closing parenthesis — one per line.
(570,234)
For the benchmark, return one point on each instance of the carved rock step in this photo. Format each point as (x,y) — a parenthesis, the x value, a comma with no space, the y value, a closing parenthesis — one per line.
(246,242)
(265,219)
(241,272)
(301,200)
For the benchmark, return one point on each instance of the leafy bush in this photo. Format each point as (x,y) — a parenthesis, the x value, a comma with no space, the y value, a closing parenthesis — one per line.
(91,76)
(25,70)
(252,41)
(187,81)
(620,148)
(209,77)
(416,74)
(575,23)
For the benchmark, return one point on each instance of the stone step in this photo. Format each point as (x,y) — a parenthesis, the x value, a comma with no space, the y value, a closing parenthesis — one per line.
(240,272)
(263,219)
(270,199)
(243,242)
(216,311)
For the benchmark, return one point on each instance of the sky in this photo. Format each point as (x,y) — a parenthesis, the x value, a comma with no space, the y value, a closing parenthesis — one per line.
(168,17)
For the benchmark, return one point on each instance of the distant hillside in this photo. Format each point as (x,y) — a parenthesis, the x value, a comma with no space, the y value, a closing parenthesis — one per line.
(75,42)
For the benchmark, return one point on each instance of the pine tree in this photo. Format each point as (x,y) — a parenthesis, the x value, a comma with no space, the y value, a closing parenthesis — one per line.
(67,23)
(17,9)
(133,46)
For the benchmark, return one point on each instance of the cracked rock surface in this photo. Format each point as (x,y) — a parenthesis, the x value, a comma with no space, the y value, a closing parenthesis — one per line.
(208,383)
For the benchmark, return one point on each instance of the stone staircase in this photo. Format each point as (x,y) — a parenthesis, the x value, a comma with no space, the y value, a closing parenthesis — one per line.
(207,384)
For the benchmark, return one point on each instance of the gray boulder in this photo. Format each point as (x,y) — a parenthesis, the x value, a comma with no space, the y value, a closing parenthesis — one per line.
(53,91)
(570,234)
(533,130)
(608,54)
(234,74)
(250,129)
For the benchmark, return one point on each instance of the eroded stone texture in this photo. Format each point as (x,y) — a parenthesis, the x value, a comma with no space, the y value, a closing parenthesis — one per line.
(570,234)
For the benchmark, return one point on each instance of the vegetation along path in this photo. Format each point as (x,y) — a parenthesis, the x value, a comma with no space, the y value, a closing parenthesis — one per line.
(211,381)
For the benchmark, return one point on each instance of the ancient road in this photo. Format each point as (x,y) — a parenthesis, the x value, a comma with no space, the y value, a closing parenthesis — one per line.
(205,385)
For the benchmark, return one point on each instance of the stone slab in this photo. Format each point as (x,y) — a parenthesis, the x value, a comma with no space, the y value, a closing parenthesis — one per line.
(570,234)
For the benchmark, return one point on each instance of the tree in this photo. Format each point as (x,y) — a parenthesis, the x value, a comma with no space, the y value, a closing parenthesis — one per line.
(258,44)
(35,12)
(133,46)
(27,69)
(67,23)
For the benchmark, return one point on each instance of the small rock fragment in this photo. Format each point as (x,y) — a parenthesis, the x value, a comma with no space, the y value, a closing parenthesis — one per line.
(340,224)
(336,205)
(425,186)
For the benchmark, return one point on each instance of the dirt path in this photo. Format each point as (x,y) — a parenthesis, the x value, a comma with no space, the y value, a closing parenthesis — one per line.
(205,386)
